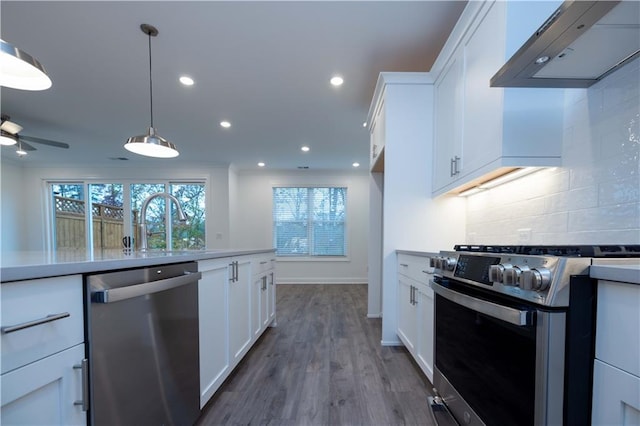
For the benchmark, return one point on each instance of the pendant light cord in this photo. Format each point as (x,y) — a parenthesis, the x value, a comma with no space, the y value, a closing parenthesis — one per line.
(150,82)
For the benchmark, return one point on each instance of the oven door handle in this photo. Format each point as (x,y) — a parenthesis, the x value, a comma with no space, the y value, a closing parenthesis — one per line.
(504,313)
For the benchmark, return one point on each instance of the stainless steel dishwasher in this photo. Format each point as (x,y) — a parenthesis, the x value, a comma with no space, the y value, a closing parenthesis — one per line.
(143,346)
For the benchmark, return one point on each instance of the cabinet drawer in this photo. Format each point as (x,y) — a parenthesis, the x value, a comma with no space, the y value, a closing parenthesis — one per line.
(262,264)
(31,302)
(618,325)
(415,267)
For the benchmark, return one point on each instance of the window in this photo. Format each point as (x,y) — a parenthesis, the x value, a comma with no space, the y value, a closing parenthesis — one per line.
(114,213)
(309,221)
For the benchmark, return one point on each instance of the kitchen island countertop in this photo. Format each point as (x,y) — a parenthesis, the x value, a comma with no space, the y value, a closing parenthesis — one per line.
(25,265)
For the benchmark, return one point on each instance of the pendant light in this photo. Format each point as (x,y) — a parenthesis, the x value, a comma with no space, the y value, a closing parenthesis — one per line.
(151,144)
(19,70)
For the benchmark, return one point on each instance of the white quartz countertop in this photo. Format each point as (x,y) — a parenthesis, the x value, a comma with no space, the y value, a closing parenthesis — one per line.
(417,253)
(22,265)
(628,273)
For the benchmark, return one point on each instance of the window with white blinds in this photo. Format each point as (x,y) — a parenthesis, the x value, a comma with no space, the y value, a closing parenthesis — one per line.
(309,221)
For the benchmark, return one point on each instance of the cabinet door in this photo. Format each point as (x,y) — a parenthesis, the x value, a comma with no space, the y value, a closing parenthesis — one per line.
(214,327)
(447,148)
(407,314)
(484,54)
(271,296)
(377,136)
(616,396)
(425,331)
(45,391)
(257,309)
(240,311)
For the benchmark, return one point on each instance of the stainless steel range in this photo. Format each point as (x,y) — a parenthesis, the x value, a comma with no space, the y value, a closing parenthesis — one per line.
(514,333)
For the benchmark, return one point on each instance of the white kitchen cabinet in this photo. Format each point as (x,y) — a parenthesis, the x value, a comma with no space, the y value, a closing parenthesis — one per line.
(616,375)
(263,295)
(271,295)
(43,355)
(448,123)
(258,308)
(483,131)
(426,327)
(407,313)
(213,313)
(45,392)
(377,138)
(240,335)
(416,309)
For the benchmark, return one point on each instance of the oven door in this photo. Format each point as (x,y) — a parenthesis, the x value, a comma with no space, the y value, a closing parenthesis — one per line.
(492,357)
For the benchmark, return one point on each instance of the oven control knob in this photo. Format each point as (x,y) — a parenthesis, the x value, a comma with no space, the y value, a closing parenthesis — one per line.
(540,279)
(433,262)
(449,263)
(511,275)
(495,273)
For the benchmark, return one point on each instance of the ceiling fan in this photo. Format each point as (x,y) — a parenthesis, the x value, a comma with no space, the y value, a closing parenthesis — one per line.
(10,135)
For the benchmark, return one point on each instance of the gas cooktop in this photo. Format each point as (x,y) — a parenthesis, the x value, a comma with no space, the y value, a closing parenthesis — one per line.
(599,251)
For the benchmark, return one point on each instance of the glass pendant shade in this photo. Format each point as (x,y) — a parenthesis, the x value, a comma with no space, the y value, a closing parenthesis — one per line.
(19,70)
(151,145)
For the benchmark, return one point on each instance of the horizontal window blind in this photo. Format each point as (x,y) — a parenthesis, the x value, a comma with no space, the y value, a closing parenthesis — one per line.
(309,221)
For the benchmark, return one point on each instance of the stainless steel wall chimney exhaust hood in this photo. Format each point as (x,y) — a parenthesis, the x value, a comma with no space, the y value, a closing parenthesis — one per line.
(582,42)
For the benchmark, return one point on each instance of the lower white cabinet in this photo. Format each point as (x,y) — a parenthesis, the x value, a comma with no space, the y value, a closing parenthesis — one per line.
(240,333)
(214,326)
(45,392)
(616,370)
(43,355)
(416,310)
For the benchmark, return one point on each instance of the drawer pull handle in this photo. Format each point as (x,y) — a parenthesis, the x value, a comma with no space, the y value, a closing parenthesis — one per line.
(49,318)
(83,366)
(264,262)
(428,272)
(404,265)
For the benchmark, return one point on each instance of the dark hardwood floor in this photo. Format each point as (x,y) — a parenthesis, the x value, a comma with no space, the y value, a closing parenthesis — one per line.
(322,365)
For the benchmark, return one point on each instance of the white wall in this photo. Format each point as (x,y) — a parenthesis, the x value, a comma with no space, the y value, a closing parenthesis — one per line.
(594,198)
(254,195)
(24,211)
(11,197)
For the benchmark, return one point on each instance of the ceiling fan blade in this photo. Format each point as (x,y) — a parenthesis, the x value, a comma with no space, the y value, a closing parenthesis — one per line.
(44,141)
(26,146)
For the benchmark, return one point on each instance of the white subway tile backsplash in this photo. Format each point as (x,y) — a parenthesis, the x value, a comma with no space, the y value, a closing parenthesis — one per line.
(595,197)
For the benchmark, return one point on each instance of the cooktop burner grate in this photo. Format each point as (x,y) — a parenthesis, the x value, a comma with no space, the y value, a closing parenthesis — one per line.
(598,251)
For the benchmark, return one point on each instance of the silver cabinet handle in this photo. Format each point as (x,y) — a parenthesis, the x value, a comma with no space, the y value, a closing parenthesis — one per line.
(271,282)
(451,167)
(264,262)
(49,318)
(129,292)
(404,265)
(83,366)
(232,278)
(504,313)
(428,272)
(456,170)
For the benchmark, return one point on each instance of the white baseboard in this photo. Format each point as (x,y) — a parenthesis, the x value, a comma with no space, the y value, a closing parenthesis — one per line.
(374,315)
(391,343)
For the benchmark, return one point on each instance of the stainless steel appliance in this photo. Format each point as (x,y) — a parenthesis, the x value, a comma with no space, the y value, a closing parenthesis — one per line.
(143,346)
(514,333)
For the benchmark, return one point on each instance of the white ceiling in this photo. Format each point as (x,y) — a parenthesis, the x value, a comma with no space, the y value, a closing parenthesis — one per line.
(264,66)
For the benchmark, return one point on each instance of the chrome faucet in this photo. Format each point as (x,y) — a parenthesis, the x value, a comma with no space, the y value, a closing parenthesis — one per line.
(143,216)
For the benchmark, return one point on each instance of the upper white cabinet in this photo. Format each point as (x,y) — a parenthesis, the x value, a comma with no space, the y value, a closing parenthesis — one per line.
(377,131)
(479,130)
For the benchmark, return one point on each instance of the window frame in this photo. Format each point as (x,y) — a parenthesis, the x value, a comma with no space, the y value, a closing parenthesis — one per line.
(309,257)
(50,217)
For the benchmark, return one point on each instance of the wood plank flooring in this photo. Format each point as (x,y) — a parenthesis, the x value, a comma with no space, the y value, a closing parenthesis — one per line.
(322,365)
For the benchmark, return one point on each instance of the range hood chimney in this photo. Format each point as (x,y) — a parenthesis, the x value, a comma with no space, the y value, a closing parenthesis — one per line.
(581,43)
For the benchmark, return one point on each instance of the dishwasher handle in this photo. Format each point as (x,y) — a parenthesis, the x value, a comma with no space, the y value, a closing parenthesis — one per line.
(129,292)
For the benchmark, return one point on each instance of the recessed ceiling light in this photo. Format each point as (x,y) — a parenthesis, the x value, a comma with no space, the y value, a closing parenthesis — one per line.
(261,164)
(305,148)
(225,124)
(336,80)
(364,124)
(356,164)
(186,80)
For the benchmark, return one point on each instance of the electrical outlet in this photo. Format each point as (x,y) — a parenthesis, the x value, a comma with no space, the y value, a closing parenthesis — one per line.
(524,235)
(218,235)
